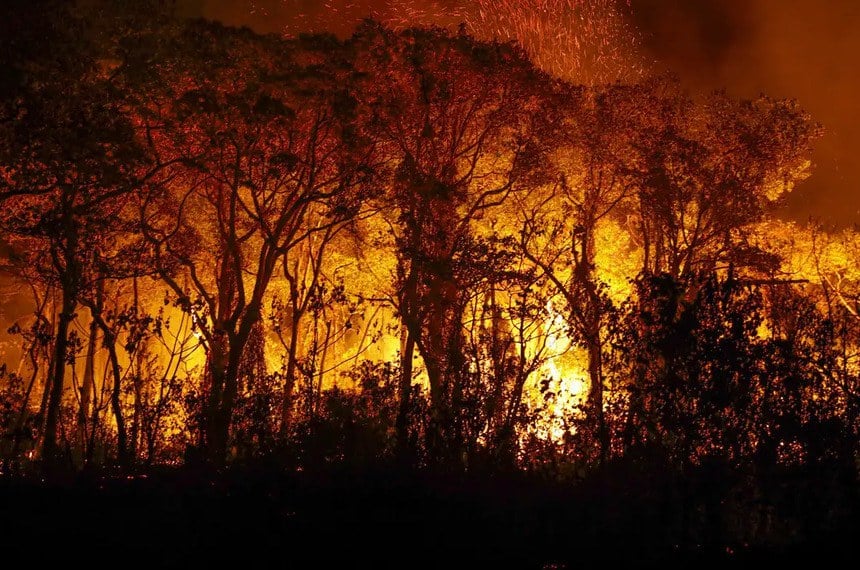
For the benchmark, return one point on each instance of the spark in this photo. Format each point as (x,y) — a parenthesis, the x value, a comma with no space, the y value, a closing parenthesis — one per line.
(585,41)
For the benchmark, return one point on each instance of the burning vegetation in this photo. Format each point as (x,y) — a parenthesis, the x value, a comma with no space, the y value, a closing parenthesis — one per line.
(409,247)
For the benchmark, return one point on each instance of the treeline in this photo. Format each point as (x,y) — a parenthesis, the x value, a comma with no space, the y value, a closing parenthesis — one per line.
(404,247)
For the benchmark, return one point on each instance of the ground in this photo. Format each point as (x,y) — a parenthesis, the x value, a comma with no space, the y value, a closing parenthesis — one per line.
(248,516)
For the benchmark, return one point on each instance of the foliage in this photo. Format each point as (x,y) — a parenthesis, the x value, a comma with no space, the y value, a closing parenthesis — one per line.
(414,248)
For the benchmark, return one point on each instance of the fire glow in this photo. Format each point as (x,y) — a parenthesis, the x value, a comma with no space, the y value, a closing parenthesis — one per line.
(468,241)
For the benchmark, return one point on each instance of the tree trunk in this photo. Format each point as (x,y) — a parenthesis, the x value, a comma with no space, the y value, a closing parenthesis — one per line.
(88,389)
(290,380)
(18,434)
(595,394)
(216,445)
(443,355)
(224,415)
(137,407)
(592,315)
(50,449)
(498,355)
(137,403)
(226,365)
(124,458)
(321,375)
(123,455)
(402,422)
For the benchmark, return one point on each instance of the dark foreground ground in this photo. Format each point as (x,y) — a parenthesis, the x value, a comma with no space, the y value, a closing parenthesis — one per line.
(251,517)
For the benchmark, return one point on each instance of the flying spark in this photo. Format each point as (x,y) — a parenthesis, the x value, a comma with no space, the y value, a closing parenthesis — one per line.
(585,41)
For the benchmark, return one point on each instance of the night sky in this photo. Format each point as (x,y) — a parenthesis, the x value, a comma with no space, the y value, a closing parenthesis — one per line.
(802,49)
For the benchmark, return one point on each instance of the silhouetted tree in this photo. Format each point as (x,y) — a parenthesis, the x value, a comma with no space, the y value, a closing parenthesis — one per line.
(69,160)
(261,128)
(456,127)
(705,171)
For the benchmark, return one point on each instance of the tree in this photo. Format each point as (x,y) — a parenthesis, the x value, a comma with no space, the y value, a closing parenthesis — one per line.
(261,127)
(559,223)
(69,160)
(706,171)
(456,132)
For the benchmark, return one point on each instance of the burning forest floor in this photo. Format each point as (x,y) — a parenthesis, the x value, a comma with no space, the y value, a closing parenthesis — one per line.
(391,518)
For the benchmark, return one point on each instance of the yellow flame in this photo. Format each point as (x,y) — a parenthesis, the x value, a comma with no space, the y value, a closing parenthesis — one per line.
(568,382)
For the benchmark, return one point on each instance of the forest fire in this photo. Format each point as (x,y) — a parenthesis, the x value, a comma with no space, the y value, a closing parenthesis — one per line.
(458,239)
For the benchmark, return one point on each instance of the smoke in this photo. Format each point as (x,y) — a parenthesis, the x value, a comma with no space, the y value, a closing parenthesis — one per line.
(698,38)
(800,49)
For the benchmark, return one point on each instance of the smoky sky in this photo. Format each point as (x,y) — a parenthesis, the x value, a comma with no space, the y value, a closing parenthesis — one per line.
(799,49)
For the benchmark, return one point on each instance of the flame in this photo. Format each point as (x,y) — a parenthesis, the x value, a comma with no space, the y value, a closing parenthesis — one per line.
(567,381)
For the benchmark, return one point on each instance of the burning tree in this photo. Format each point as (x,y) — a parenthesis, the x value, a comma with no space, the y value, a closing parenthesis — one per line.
(245,174)
(707,171)
(260,130)
(70,161)
(456,126)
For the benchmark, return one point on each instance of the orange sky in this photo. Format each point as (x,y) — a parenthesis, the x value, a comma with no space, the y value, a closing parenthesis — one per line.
(801,49)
